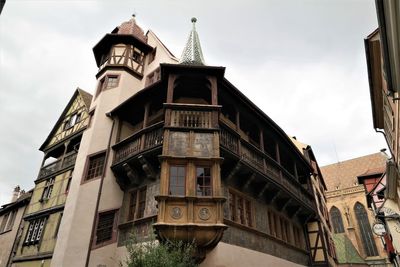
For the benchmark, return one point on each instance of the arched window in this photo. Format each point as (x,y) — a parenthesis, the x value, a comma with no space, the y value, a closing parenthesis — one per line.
(365,230)
(337,221)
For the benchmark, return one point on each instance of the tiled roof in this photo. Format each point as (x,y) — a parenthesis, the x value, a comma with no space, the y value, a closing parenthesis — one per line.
(344,174)
(346,253)
(130,27)
(86,97)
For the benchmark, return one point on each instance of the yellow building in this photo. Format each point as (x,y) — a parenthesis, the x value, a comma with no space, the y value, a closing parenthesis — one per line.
(43,215)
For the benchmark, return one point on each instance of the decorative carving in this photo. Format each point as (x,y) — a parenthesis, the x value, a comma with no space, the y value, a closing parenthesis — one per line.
(204,214)
(203,145)
(176,213)
(178,143)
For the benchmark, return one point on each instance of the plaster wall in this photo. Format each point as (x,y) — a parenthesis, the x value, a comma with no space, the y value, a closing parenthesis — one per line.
(226,255)
(7,238)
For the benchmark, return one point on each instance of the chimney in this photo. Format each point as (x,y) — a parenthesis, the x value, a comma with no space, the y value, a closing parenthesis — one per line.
(16,193)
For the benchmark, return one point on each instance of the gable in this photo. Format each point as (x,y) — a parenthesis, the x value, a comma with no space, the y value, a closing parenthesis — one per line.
(74,119)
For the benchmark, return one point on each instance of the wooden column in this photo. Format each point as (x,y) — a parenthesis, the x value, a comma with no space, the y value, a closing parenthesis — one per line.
(214,90)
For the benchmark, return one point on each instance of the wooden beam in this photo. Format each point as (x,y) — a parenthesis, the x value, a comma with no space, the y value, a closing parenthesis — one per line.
(248,182)
(273,195)
(261,193)
(233,171)
(283,202)
(132,174)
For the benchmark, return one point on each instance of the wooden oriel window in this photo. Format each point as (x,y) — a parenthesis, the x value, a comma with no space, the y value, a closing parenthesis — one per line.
(95,166)
(240,208)
(105,227)
(48,189)
(35,231)
(203,181)
(177,180)
(137,204)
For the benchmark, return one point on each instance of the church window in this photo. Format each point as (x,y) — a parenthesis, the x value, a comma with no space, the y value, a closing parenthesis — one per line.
(337,221)
(365,230)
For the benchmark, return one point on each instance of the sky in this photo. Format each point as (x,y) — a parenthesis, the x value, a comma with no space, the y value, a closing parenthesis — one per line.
(302,62)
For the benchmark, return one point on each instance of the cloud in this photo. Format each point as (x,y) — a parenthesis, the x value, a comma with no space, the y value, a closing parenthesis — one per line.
(302,62)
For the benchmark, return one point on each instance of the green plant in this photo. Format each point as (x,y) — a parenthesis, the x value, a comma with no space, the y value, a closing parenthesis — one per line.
(151,253)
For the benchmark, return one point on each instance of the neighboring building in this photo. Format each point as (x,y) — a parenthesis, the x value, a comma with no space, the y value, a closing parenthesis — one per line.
(383,61)
(318,228)
(10,220)
(351,218)
(45,210)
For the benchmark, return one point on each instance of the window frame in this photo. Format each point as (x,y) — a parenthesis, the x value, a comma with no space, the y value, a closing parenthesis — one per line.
(237,197)
(175,185)
(47,189)
(113,238)
(201,188)
(136,214)
(35,231)
(85,178)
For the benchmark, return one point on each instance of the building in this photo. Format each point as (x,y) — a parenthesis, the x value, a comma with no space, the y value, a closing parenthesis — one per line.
(382,49)
(43,215)
(10,221)
(351,218)
(171,145)
(318,228)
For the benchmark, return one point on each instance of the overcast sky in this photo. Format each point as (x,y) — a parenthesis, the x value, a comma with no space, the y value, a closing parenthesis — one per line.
(302,62)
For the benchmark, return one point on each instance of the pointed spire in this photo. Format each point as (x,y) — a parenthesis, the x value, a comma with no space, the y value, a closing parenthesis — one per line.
(192,54)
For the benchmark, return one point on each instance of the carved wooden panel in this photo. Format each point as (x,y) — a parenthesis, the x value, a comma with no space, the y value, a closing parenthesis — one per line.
(203,145)
(178,143)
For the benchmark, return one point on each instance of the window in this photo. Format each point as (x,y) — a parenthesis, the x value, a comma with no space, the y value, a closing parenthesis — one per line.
(177,180)
(136,57)
(153,77)
(365,230)
(105,227)
(337,221)
(137,204)
(112,81)
(48,189)
(72,120)
(35,231)
(240,208)
(95,166)
(203,181)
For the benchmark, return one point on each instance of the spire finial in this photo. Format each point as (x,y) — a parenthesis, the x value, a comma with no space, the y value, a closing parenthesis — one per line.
(192,54)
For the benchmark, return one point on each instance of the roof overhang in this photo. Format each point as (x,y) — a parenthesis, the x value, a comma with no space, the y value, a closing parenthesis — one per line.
(388,12)
(110,39)
(188,69)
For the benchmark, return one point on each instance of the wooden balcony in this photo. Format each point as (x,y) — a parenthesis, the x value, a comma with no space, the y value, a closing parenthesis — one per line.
(145,139)
(192,116)
(264,164)
(58,165)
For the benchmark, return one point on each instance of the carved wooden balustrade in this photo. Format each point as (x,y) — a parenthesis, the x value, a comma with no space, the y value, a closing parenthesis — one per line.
(192,116)
(143,140)
(263,163)
(58,165)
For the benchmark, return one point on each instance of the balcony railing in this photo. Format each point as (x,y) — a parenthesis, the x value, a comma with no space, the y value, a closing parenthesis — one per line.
(191,118)
(58,165)
(143,140)
(264,164)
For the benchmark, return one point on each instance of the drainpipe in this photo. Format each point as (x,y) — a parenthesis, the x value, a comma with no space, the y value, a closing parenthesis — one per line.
(100,189)
(387,143)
